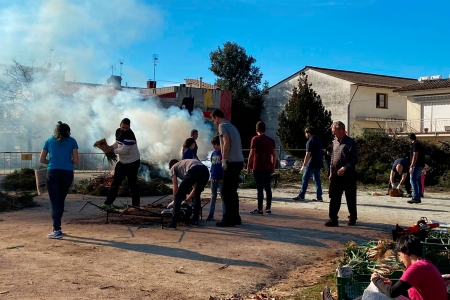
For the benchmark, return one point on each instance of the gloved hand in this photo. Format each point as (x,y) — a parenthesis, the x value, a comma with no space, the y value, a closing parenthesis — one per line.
(224,164)
(399,186)
(302,169)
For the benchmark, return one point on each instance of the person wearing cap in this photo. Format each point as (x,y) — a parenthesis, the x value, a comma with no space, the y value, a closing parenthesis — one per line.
(194,135)
(128,164)
(417,156)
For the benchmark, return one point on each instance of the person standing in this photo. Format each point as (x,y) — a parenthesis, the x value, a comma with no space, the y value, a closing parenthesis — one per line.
(263,159)
(187,151)
(127,166)
(312,164)
(400,167)
(194,135)
(417,156)
(328,153)
(343,175)
(216,177)
(232,163)
(195,176)
(62,151)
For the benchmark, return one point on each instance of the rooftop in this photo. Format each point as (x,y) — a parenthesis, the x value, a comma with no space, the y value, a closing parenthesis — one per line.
(425,85)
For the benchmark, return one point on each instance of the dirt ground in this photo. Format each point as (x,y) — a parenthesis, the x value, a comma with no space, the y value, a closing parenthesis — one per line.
(279,253)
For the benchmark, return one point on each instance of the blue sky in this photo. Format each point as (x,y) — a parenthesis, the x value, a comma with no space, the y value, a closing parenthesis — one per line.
(398,38)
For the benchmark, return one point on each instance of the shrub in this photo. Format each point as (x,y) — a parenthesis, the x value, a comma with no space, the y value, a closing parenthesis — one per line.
(23,179)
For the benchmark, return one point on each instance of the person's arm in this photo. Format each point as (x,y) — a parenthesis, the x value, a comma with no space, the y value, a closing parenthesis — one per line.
(226,146)
(250,160)
(191,194)
(402,181)
(174,184)
(43,157)
(274,158)
(399,288)
(352,158)
(124,150)
(75,158)
(306,160)
(391,178)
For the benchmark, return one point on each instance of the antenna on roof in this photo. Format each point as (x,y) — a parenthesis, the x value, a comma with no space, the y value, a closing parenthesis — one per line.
(52,49)
(112,67)
(121,64)
(155,60)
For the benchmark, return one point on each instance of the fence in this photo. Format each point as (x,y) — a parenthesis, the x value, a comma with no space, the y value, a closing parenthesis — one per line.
(88,162)
(419,126)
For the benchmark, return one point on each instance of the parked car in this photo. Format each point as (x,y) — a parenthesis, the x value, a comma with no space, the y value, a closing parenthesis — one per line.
(287,162)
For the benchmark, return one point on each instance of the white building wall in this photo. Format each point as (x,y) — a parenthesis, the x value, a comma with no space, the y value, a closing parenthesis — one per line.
(364,104)
(334,93)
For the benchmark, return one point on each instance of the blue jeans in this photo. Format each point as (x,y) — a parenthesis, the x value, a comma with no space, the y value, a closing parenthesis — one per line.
(58,184)
(215,185)
(414,178)
(315,173)
(262,179)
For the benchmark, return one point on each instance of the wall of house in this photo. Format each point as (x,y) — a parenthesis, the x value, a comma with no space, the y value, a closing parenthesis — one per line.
(334,93)
(363,105)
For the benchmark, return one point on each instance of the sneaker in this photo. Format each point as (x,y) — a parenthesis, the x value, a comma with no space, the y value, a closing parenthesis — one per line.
(332,223)
(170,226)
(223,224)
(210,217)
(257,212)
(414,201)
(318,200)
(351,222)
(55,234)
(194,223)
(326,294)
(298,198)
(268,211)
(409,195)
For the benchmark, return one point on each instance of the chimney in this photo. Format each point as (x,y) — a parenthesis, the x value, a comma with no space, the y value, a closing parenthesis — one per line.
(115,81)
(151,84)
(200,82)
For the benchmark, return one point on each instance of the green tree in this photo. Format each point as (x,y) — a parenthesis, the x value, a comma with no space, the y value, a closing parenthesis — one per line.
(236,72)
(304,109)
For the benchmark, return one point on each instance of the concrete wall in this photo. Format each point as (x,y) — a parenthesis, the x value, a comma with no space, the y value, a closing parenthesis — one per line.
(364,105)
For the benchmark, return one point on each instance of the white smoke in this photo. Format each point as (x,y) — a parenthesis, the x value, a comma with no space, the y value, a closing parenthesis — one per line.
(86,37)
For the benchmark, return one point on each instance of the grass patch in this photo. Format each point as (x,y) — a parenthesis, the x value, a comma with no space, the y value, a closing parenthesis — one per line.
(314,292)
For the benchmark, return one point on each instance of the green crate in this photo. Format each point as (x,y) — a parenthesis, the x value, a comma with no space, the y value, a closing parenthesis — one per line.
(353,287)
(438,252)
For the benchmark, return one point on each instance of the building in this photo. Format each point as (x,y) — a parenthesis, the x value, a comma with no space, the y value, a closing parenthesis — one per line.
(360,100)
(182,96)
(428,108)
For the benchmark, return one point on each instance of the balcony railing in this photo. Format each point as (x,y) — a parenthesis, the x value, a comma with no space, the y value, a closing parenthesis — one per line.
(440,125)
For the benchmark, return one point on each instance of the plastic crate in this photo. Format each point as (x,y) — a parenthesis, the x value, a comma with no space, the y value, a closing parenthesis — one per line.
(353,287)
(438,252)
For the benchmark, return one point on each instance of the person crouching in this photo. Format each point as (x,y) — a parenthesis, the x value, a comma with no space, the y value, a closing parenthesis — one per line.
(194,175)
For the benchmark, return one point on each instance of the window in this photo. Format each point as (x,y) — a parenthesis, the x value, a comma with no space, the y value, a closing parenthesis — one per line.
(381,100)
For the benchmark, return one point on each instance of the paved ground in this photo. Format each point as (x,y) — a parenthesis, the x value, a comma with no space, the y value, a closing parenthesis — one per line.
(140,261)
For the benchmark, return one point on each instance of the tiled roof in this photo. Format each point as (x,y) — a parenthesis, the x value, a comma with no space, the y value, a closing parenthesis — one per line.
(425,85)
(363,79)
(196,82)
(366,79)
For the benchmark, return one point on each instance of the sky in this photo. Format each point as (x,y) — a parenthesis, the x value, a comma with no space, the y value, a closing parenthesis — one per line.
(397,38)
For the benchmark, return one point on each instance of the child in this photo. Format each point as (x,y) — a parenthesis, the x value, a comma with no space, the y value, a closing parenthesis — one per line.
(187,152)
(422,177)
(216,177)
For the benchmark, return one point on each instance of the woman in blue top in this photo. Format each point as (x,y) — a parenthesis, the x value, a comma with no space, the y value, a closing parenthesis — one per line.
(188,149)
(62,151)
